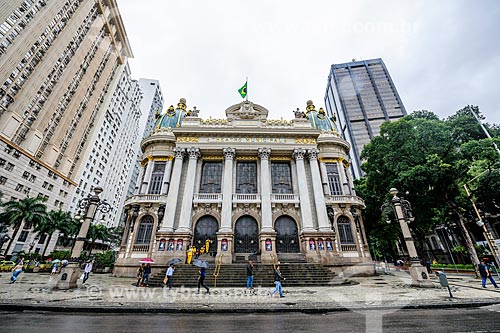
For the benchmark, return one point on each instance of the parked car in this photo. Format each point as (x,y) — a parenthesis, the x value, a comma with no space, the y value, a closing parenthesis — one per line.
(6,265)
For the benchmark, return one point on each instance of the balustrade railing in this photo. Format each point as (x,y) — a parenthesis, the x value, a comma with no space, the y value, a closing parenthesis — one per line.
(246,198)
(140,198)
(346,199)
(140,248)
(348,248)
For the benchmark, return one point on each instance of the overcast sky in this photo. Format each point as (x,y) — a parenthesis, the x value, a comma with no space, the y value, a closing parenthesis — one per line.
(442,55)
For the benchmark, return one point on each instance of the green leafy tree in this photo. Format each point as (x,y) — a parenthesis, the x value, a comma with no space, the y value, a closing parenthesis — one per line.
(56,221)
(31,211)
(98,232)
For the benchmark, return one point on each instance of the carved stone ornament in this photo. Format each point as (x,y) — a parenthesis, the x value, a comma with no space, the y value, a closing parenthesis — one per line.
(194,153)
(313,153)
(229,153)
(299,153)
(179,153)
(264,153)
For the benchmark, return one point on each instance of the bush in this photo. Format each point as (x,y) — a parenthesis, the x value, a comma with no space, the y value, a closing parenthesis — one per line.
(105,259)
(61,255)
(451,266)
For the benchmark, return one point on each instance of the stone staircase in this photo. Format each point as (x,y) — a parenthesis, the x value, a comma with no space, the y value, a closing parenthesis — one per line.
(234,275)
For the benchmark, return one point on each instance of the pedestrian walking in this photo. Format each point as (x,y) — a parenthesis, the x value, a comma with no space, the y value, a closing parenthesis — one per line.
(140,273)
(201,279)
(168,276)
(16,271)
(277,281)
(145,275)
(485,273)
(250,274)
(87,270)
(54,269)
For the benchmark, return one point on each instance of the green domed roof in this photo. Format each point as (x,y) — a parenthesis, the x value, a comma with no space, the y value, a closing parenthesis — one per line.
(173,117)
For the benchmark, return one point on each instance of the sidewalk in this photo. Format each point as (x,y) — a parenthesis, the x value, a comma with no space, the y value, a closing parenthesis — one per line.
(104,293)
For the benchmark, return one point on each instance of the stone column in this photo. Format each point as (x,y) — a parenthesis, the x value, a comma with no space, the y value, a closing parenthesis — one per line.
(187,199)
(227,190)
(265,191)
(147,176)
(319,197)
(166,176)
(138,184)
(305,202)
(173,192)
(324,176)
(345,183)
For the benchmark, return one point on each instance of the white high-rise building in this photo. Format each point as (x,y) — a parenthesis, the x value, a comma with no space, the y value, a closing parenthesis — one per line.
(110,161)
(151,105)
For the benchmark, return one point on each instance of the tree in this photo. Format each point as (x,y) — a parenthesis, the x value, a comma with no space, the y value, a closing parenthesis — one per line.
(31,211)
(56,221)
(98,232)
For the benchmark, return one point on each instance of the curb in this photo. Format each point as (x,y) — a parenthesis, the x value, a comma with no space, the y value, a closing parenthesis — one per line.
(191,310)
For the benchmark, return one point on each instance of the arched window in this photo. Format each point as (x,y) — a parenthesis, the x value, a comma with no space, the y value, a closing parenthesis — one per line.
(345,230)
(145,230)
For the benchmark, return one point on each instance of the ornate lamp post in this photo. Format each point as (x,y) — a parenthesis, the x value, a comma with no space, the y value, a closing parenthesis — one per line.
(402,210)
(90,205)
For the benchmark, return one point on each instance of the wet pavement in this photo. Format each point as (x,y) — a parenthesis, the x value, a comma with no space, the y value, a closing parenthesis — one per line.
(104,293)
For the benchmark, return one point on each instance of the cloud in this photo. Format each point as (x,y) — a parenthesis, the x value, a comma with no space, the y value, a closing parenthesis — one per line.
(441,55)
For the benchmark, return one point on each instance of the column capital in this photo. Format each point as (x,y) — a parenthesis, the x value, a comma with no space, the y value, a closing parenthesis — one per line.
(193,153)
(229,153)
(299,153)
(264,153)
(179,153)
(313,153)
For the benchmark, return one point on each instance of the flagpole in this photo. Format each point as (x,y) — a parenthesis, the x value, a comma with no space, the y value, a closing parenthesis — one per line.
(247,87)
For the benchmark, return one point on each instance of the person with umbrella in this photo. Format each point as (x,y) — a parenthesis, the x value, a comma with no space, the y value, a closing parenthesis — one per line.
(140,272)
(145,275)
(201,274)
(169,274)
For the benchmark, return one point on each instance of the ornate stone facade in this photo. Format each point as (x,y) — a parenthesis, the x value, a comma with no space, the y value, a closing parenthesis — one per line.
(248,187)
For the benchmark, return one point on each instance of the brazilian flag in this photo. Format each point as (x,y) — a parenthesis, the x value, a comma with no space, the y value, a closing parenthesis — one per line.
(243,90)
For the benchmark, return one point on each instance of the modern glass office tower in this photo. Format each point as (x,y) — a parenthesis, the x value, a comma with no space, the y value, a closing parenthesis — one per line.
(361,95)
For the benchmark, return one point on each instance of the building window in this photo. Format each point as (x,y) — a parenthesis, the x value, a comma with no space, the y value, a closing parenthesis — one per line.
(145,230)
(332,172)
(281,176)
(9,167)
(157,177)
(2,162)
(23,236)
(211,176)
(345,230)
(246,177)
(3,180)
(19,187)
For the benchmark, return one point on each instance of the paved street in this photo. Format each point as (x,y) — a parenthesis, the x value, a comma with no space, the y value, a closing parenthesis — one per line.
(486,319)
(105,293)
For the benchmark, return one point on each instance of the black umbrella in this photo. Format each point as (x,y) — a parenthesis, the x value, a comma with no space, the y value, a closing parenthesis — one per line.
(174,261)
(201,263)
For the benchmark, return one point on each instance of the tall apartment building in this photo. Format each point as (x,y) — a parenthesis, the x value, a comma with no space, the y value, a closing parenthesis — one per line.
(151,104)
(111,156)
(362,96)
(57,62)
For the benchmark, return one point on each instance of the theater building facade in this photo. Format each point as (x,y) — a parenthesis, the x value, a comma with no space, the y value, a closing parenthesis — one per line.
(280,190)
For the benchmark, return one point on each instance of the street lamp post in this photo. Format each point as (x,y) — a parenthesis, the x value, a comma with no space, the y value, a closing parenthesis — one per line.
(90,205)
(402,210)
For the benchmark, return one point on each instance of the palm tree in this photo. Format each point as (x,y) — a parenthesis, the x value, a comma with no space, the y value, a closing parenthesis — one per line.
(70,229)
(31,211)
(98,231)
(55,221)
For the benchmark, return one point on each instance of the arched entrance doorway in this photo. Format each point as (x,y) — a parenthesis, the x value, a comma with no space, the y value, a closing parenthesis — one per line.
(206,228)
(287,235)
(246,235)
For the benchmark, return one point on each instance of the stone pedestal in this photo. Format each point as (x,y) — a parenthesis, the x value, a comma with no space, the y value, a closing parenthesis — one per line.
(420,276)
(224,250)
(68,277)
(268,255)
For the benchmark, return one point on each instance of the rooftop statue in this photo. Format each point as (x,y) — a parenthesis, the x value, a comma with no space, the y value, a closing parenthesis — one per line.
(173,117)
(319,119)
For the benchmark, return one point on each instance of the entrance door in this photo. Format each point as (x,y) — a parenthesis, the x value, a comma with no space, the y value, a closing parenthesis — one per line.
(246,235)
(287,235)
(206,228)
